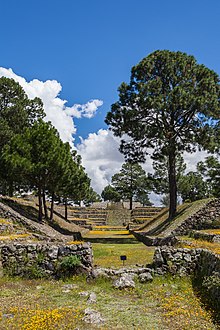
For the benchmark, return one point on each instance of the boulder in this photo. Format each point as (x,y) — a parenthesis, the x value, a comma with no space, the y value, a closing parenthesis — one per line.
(123,282)
(92,317)
(145,277)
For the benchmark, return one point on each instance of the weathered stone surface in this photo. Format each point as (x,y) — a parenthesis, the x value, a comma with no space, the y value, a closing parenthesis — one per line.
(125,281)
(145,277)
(202,219)
(201,264)
(158,258)
(92,317)
(84,294)
(205,236)
(18,257)
(92,298)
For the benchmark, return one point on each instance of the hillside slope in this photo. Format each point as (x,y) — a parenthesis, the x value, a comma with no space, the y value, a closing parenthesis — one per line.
(19,217)
(162,226)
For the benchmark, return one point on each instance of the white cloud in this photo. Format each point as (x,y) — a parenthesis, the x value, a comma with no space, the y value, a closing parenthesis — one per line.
(56,111)
(87,110)
(99,151)
(192,159)
(101,157)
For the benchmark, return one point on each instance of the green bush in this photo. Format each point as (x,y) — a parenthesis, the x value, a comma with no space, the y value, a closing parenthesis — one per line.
(33,272)
(68,266)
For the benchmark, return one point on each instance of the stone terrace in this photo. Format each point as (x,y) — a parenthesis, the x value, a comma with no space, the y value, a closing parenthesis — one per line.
(144,215)
(87,216)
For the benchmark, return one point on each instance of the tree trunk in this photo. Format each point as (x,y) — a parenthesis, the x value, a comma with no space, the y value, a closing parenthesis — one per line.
(40,211)
(131,203)
(172,183)
(45,205)
(66,213)
(52,207)
(10,189)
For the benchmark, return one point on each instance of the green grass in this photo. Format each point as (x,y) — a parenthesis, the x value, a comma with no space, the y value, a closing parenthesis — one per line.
(164,304)
(162,226)
(108,255)
(110,236)
(192,243)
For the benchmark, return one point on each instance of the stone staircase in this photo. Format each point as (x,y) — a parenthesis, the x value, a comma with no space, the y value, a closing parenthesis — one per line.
(144,215)
(118,217)
(87,217)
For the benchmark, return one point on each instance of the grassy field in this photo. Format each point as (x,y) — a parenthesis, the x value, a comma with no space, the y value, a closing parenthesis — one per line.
(192,243)
(45,305)
(108,255)
(166,303)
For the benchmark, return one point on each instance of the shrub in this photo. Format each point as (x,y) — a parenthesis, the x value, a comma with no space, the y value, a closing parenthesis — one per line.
(68,266)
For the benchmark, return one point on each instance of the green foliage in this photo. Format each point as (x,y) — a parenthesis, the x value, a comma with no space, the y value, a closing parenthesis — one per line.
(171,105)
(109,193)
(16,110)
(210,169)
(160,177)
(17,113)
(68,266)
(192,187)
(91,197)
(75,184)
(33,271)
(131,182)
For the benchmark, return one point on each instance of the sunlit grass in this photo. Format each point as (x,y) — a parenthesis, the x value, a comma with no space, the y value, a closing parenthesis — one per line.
(192,243)
(211,231)
(12,237)
(166,303)
(108,255)
(108,234)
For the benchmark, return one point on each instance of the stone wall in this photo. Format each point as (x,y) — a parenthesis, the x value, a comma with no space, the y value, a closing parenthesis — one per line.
(179,261)
(7,212)
(43,259)
(154,241)
(202,219)
(201,264)
(205,236)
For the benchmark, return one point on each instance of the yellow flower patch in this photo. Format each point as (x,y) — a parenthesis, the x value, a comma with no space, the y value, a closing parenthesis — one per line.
(13,237)
(197,243)
(4,222)
(43,319)
(75,242)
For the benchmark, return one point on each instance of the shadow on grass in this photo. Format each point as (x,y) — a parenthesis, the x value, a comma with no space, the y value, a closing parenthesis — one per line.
(58,214)
(207,300)
(26,211)
(112,240)
(166,223)
(55,225)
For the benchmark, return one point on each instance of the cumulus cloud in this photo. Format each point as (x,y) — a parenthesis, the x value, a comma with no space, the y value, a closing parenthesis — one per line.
(87,110)
(101,157)
(99,151)
(191,159)
(55,108)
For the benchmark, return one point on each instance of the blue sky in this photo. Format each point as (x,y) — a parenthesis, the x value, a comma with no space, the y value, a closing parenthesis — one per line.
(89,47)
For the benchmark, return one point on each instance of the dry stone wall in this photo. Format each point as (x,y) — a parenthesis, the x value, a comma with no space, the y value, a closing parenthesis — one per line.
(202,219)
(43,258)
(215,238)
(201,264)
